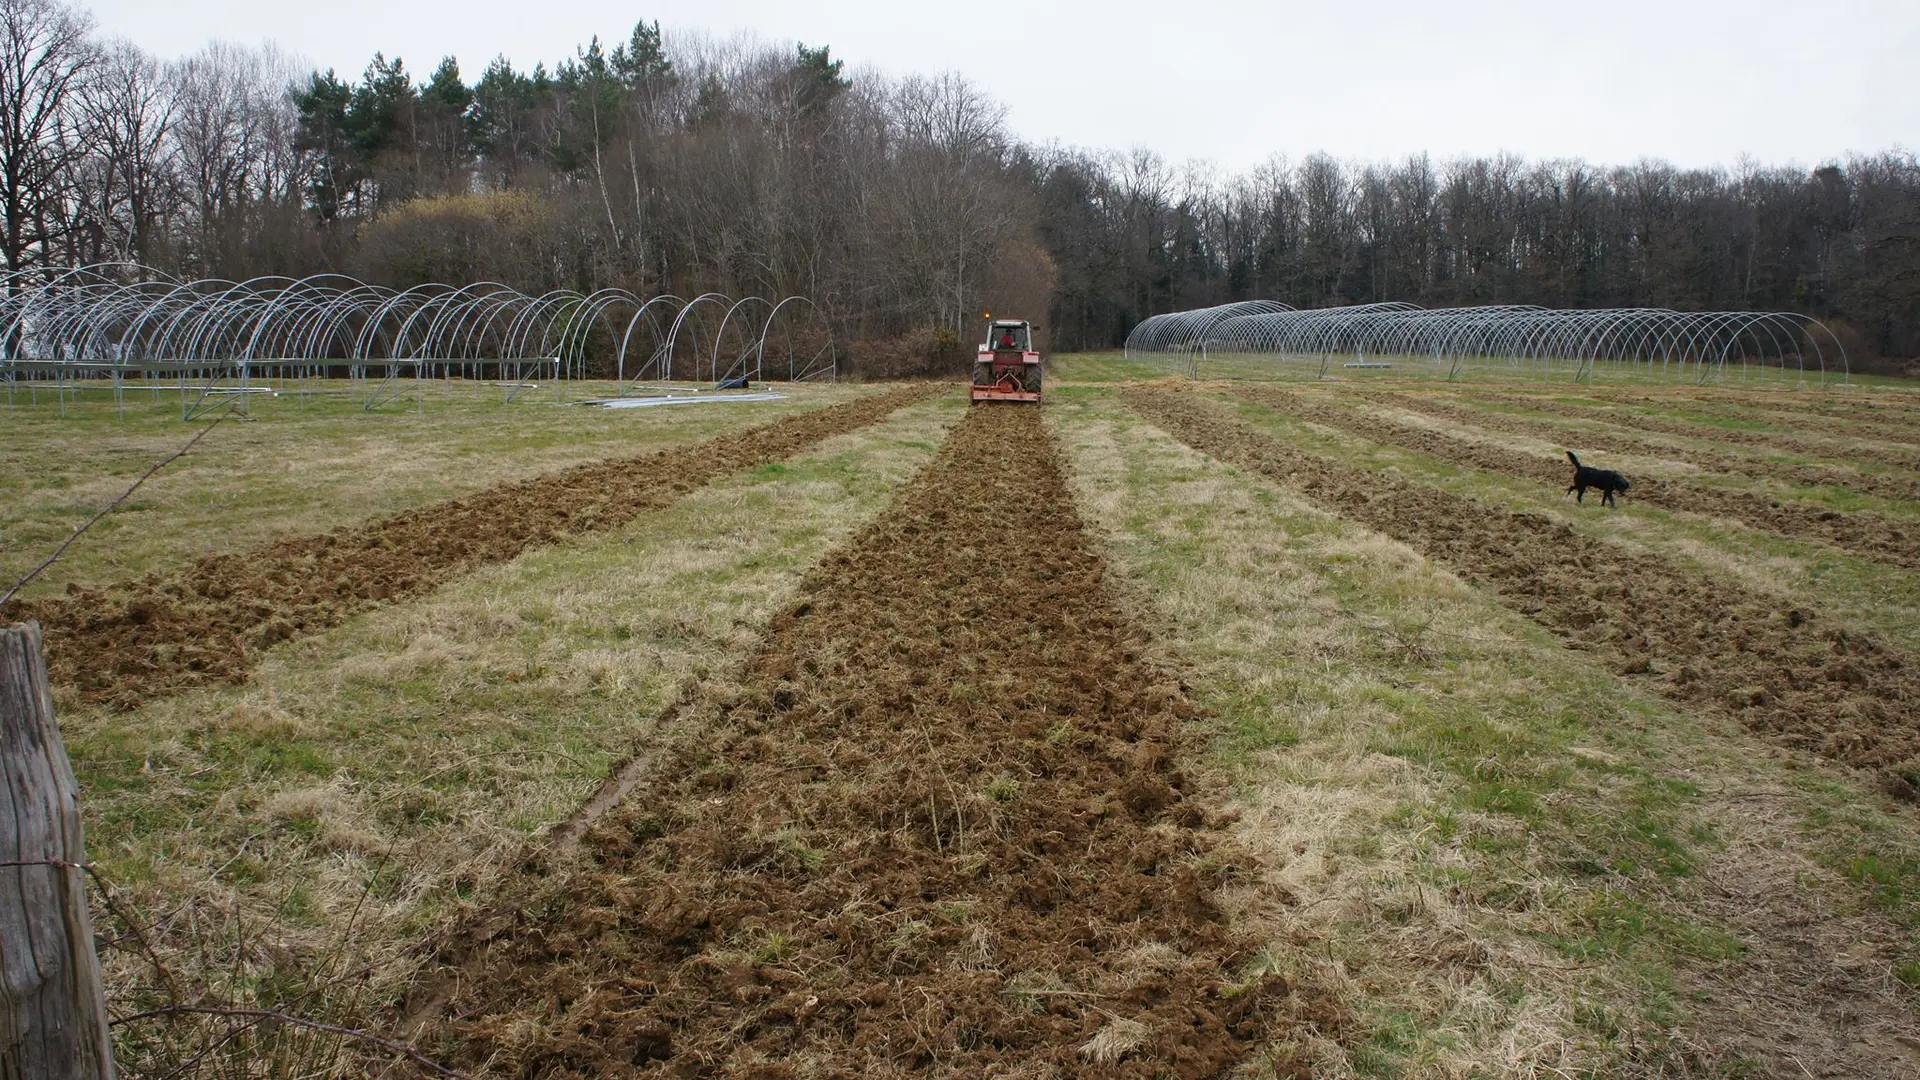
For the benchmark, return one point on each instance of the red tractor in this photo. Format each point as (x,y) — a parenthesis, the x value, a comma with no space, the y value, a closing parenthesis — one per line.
(1008,367)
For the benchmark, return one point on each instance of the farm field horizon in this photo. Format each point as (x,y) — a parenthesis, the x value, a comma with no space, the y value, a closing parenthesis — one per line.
(1252,727)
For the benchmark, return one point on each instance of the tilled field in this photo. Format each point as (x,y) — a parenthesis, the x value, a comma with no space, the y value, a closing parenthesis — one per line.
(125,644)
(1704,643)
(1885,486)
(940,828)
(1896,405)
(1867,535)
(1766,440)
(1846,419)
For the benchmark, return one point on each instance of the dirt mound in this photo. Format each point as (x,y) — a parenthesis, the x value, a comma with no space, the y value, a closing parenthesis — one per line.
(124,644)
(1890,487)
(1704,643)
(941,829)
(1866,535)
(1765,440)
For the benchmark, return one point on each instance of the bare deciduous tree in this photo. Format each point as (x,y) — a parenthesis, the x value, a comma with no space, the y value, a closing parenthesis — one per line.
(898,204)
(46,54)
(232,132)
(128,112)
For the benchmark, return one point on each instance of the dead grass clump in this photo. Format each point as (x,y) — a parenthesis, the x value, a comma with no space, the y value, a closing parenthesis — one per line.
(1118,1039)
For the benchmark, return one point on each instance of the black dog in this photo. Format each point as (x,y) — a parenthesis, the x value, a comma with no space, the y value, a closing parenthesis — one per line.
(1606,480)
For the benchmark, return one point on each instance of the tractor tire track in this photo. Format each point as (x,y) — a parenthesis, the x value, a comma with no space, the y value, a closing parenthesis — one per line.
(1706,644)
(1865,535)
(208,623)
(1812,447)
(1885,486)
(940,829)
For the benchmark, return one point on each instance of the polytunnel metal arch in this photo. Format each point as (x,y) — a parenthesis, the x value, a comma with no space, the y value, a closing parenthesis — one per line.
(1545,342)
(128,321)
(1177,331)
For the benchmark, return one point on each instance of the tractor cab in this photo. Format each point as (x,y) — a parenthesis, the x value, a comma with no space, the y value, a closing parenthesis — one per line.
(1008,366)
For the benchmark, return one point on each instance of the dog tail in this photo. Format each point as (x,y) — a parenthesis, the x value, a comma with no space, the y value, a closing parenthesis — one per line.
(1575,460)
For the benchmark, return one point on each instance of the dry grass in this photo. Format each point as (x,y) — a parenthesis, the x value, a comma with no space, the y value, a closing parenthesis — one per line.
(1511,864)
(368,781)
(1885,598)
(1759,459)
(1519,865)
(303,466)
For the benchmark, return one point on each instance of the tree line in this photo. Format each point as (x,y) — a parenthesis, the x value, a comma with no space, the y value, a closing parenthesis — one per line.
(902,205)
(1840,241)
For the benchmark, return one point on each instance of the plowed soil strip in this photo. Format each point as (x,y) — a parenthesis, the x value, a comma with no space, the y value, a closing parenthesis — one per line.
(940,830)
(1866,535)
(1825,448)
(125,644)
(1705,643)
(1885,486)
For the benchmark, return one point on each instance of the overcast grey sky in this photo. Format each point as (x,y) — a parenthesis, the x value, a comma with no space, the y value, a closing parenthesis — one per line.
(1695,81)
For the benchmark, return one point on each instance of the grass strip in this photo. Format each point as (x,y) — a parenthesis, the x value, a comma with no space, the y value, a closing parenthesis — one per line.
(1740,431)
(1846,420)
(1862,534)
(1703,643)
(1891,486)
(1525,867)
(207,623)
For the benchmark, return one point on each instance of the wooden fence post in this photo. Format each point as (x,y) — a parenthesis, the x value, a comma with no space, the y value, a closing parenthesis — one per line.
(53,1009)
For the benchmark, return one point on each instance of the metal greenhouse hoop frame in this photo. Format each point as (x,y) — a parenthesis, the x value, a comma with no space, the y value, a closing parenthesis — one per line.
(1545,342)
(115,321)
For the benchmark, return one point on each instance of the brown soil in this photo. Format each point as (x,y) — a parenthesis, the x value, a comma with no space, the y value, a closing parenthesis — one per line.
(1812,447)
(1704,643)
(1866,535)
(940,829)
(208,623)
(1885,486)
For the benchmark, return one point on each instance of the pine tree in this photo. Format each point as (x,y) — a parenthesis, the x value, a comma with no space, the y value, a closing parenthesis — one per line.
(445,104)
(324,133)
(816,79)
(642,62)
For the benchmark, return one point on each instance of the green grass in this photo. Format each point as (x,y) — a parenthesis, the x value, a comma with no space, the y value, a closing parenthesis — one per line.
(1502,858)
(305,463)
(1108,367)
(1436,777)
(366,783)
(1577,428)
(1868,593)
